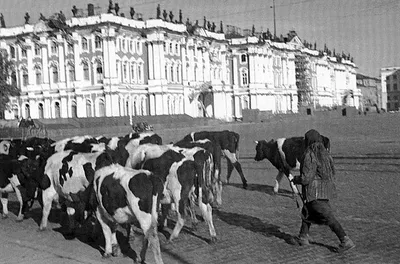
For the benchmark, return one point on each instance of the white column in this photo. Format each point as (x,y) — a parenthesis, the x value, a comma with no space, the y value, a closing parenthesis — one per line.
(61,58)
(45,60)
(235,71)
(151,61)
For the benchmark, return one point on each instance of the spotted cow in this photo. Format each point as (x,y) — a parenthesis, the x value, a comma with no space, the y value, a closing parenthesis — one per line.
(124,195)
(16,176)
(181,182)
(64,177)
(285,154)
(229,143)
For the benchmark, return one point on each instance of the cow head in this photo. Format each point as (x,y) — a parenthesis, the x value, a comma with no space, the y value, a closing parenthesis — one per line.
(263,149)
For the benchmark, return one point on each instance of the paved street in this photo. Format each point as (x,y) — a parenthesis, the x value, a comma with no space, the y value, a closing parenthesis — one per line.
(255,226)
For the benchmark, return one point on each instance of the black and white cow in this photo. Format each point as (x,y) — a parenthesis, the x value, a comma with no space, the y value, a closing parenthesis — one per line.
(16,175)
(229,143)
(285,154)
(181,181)
(124,195)
(207,156)
(64,177)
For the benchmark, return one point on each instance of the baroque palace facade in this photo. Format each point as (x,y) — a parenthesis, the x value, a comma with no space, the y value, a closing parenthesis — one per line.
(116,66)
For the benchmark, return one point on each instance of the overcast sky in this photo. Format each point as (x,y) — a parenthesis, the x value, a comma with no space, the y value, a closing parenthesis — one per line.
(367,29)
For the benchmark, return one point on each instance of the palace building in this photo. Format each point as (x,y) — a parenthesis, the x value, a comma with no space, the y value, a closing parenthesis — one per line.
(109,65)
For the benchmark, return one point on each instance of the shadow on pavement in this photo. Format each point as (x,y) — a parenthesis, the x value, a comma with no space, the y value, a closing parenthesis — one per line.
(254,224)
(263,188)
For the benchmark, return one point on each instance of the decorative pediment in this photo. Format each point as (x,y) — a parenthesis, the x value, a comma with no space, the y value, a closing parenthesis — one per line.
(296,42)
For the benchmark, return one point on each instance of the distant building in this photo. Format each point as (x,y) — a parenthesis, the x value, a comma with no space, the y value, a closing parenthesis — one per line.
(108,65)
(371,91)
(390,79)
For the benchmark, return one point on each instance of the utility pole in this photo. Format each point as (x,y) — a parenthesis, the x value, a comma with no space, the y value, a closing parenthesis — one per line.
(273,8)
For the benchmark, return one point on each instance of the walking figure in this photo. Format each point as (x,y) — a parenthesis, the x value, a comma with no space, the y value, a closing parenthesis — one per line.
(317,174)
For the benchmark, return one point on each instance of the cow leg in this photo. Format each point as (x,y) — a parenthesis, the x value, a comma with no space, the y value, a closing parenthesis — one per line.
(293,186)
(71,220)
(48,196)
(234,163)
(19,192)
(4,203)
(278,181)
(206,211)
(107,235)
(20,216)
(148,223)
(179,210)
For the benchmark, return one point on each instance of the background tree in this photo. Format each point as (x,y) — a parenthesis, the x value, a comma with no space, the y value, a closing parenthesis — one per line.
(6,89)
(303,80)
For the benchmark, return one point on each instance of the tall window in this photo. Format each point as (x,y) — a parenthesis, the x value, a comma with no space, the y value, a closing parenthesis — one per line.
(85,44)
(176,49)
(245,80)
(139,73)
(395,87)
(130,46)
(37,50)
(38,73)
(88,108)
(54,71)
(54,48)
(172,73)
(12,52)
(25,80)
(57,110)
(70,48)
(23,53)
(71,73)
(123,45)
(99,72)
(243,58)
(102,109)
(86,76)
(133,72)
(14,78)
(138,47)
(124,71)
(27,111)
(74,111)
(40,110)
(97,42)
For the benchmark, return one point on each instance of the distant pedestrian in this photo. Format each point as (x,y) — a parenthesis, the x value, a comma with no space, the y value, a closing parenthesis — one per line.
(317,174)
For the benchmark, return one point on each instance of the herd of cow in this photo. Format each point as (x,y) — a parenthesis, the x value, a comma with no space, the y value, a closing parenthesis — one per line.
(133,178)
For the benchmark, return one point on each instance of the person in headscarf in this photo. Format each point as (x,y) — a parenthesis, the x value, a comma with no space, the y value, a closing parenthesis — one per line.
(317,175)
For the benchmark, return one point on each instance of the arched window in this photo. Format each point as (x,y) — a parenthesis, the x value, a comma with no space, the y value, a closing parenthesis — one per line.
(102,108)
(27,111)
(166,72)
(88,108)
(71,73)
(85,44)
(133,69)
(127,107)
(40,110)
(54,71)
(25,80)
(124,71)
(97,42)
(12,51)
(38,73)
(86,75)
(243,58)
(54,48)
(13,78)
(74,111)
(57,111)
(172,73)
(37,50)
(99,72)
(178,77)
(139,73)
(245,80)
